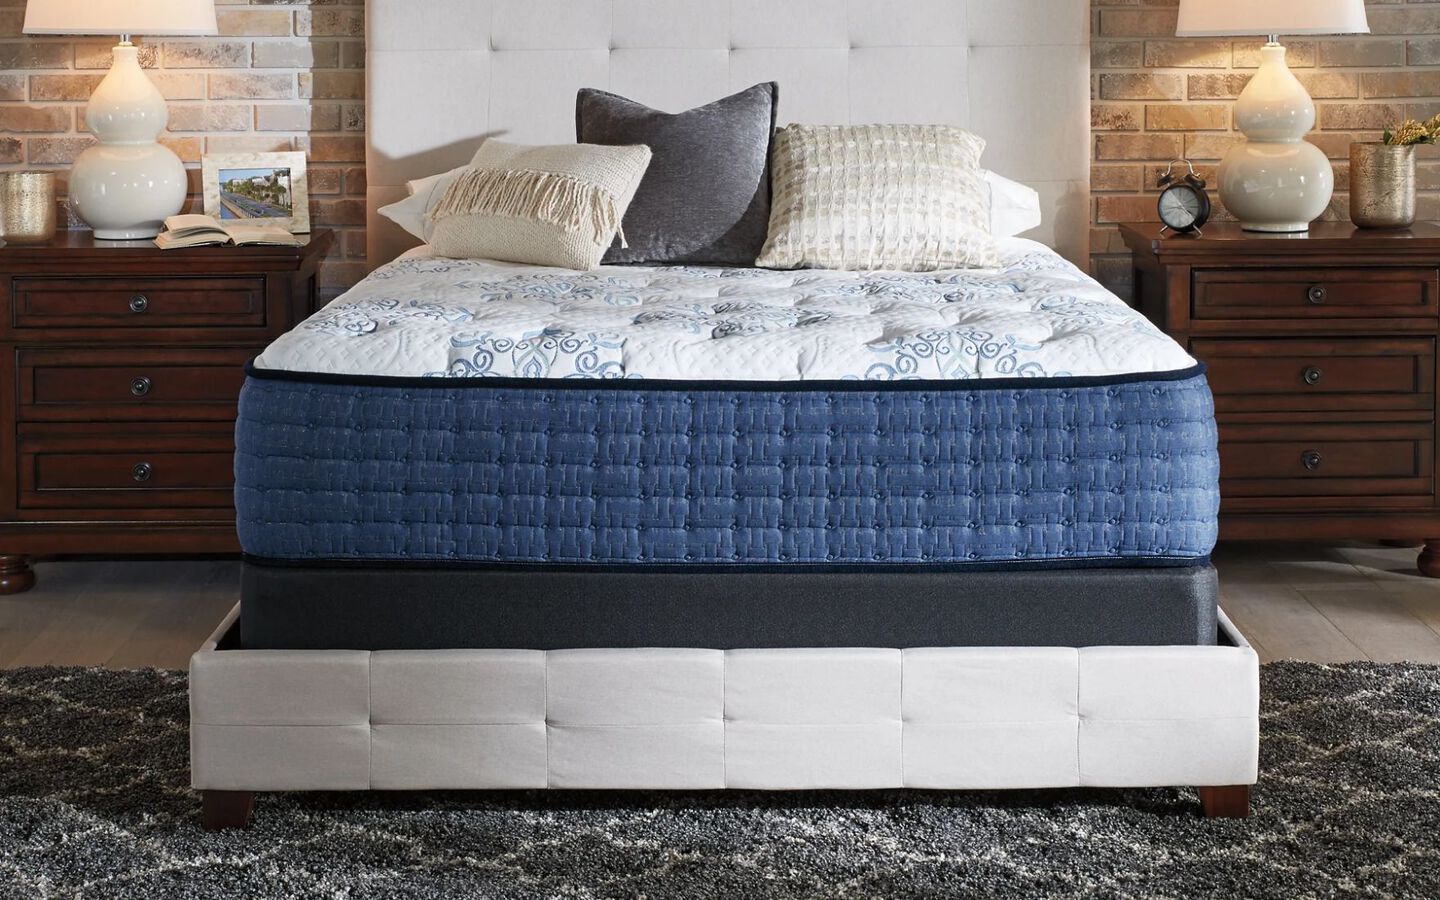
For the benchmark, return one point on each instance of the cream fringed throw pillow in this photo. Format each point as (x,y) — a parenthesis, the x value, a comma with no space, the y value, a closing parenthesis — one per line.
(859,197)
(558,205)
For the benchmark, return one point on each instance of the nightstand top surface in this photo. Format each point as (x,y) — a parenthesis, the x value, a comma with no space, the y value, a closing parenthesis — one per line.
(1323,237)
(76,244)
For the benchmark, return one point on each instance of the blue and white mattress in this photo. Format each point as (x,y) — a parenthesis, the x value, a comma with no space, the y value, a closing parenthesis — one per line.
(485,414)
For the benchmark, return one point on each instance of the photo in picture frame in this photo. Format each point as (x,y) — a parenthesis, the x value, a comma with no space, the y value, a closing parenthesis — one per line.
(258,189)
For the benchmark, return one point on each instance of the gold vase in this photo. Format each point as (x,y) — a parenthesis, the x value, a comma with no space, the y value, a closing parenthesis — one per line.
(1382,185)
(27,207)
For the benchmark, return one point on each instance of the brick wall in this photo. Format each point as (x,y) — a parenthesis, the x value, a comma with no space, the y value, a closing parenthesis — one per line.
(282,75)
(1156,97)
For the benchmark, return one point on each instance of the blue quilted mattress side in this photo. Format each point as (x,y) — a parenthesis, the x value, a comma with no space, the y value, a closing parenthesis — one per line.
(507,471)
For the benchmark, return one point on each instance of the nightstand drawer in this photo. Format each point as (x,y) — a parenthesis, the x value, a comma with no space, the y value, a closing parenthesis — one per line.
(1314,376)
(1314,293)
(126,302)
(85,384)
(74,467)
(1327,460)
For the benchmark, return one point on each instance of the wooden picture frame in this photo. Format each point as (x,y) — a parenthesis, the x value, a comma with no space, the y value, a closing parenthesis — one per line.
(273,189)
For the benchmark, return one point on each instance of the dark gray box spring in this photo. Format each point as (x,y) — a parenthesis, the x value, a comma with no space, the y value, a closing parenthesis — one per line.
(367,607)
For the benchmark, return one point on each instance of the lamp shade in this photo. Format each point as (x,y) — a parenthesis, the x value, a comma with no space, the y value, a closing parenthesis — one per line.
(1228,18)
(155,18)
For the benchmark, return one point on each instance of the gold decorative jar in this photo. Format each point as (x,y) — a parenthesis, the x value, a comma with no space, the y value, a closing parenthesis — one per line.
(1382,185)
(27,207)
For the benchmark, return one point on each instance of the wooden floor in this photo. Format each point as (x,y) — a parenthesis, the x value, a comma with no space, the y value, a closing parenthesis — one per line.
(1294,601)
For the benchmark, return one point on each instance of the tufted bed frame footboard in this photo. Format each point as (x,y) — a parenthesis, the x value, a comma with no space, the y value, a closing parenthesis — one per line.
(695,719)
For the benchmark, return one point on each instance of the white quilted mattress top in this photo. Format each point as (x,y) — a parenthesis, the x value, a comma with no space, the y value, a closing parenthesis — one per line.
(1035,316)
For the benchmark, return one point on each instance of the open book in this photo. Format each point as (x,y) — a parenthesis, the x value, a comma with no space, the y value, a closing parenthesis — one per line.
(203,231)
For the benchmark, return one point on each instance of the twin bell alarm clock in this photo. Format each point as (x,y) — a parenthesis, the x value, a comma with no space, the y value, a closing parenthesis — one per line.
(1184,205)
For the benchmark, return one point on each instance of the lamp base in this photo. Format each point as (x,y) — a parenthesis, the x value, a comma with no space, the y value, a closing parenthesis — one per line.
(1275,181)
(127,185)
(126,234)
(125,192)
(1275,186)
(1276,227)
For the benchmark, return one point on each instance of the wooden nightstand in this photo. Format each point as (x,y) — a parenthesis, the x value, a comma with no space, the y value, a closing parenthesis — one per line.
(1322,358)
(118,392)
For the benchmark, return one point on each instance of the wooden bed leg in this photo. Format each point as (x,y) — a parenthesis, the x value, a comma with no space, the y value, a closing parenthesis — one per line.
(16,576)
(220,810)
(1429,560)
(1228,802)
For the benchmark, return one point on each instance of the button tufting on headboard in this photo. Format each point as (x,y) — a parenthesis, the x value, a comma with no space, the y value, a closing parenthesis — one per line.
(1014,71)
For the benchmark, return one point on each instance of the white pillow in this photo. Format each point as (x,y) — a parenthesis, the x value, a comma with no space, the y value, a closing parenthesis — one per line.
(410,213)
(553,205)
(1014,207)
(864,197)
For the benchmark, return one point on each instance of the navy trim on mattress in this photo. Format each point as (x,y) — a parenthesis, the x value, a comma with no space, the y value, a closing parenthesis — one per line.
(856,473)
(663,384)
(390,608)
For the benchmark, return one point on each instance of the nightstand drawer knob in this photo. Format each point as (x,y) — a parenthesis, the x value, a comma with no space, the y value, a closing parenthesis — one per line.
(1316,294)
(1311,459)
(139,303)
(142,471)
(1312,375)
(140,386)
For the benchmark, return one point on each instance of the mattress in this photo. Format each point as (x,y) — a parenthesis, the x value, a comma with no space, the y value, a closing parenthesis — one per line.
(1037,316)
(376,607)
(471,413)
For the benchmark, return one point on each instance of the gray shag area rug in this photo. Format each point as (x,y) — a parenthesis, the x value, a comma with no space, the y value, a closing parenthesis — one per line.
(94,803)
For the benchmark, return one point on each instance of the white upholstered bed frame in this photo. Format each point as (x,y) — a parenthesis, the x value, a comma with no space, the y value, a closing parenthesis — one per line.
(445,73)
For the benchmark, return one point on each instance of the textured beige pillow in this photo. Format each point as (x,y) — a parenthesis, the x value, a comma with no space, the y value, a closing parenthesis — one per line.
(557,205)
(859,197)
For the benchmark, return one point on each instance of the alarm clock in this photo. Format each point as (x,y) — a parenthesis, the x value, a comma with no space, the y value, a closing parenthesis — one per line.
(1184,206)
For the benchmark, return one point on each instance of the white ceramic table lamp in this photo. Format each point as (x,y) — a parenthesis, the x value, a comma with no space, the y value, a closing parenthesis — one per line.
(126,185)
(1275,181)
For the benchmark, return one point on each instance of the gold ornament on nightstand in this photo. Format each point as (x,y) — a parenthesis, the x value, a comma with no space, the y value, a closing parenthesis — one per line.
(1382,175)
(27,207)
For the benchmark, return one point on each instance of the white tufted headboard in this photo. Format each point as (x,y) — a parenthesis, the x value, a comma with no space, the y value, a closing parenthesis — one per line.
(443,74)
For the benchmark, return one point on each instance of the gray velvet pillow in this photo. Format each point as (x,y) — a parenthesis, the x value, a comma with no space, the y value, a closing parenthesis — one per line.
(706,197)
